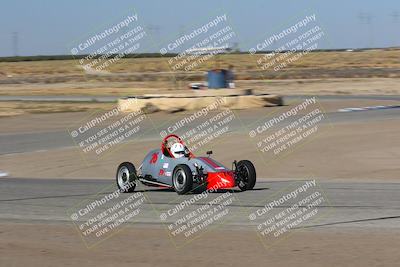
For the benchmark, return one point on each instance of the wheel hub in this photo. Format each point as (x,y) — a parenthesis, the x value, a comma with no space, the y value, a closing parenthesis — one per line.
(180,179)
(123,177)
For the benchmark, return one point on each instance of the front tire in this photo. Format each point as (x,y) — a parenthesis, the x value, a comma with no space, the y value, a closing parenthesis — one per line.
(126,177)
(182,179)
(245,169)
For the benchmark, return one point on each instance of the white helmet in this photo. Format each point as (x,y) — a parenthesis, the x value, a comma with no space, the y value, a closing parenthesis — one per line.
(178,150)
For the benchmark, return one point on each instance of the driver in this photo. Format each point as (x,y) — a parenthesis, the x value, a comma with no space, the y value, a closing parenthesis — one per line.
(178,150)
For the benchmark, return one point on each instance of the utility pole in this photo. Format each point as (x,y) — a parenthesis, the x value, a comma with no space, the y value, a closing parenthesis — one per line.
(15,43)
(366,19)
(155,31)
(395,16)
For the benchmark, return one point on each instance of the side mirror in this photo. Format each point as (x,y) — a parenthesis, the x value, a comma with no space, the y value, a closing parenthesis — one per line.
(209,152)
(187,152)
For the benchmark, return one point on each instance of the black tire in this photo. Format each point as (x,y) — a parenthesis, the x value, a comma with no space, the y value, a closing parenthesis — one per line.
(126,177)
(182,179)
(247,173)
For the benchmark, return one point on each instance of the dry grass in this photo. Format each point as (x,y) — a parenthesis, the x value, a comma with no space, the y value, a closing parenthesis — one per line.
(367,72)
(242,62)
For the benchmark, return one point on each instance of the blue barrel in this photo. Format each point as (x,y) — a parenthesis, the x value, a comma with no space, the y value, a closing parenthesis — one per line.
(217,79)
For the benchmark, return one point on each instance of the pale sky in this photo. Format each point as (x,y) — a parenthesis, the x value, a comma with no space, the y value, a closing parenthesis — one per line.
(49,27)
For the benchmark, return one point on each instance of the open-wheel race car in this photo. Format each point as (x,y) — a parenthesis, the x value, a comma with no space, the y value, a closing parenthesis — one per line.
(174,166)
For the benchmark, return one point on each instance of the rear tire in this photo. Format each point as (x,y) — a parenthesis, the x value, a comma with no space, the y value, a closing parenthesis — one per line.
(126,177)
(248,175)
(182,179)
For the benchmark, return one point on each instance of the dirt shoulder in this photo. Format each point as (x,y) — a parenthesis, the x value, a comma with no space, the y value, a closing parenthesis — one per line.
(60,245)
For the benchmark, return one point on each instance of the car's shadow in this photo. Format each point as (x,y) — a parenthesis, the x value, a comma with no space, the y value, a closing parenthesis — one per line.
(168,190)
(200,190)
(239,191)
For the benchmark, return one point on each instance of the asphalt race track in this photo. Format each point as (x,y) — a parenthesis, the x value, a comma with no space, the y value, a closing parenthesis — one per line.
(351,203)
(48,200)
